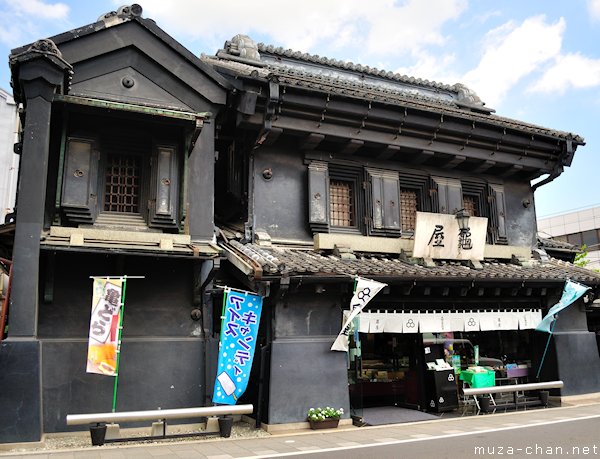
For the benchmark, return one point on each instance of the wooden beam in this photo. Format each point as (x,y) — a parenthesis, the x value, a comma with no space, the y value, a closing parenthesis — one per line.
(458,159)
(388,152)
(311,141)
(422,157)
(484,166)
(269,137)
(352,146)
(405,140)
(512,170)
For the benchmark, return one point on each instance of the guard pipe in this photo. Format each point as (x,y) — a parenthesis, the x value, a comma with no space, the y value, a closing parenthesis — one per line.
(513,388)
(152,415)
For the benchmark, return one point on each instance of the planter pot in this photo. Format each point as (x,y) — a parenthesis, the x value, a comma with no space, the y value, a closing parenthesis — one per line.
(98,433)
(225,425)
(327,424)
(544,394)
(484,403)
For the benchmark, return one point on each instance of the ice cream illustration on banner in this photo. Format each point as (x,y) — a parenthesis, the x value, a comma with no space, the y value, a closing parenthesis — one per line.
(227,384)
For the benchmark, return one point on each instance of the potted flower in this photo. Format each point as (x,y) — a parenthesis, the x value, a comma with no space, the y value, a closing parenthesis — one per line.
(324,418)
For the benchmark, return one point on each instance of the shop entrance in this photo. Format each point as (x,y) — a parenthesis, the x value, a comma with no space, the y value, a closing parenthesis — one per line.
(386,369)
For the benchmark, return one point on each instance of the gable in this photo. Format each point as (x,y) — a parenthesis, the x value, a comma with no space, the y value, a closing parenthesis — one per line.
(128,76)
(130,64)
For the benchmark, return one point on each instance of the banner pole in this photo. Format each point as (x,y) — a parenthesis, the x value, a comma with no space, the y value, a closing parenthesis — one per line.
(537,376)
(120,333)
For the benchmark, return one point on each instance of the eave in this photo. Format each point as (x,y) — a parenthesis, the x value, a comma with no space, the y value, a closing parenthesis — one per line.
(407,131)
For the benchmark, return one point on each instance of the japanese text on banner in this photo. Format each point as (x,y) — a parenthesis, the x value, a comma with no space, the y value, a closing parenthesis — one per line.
(104,323)
(237,344)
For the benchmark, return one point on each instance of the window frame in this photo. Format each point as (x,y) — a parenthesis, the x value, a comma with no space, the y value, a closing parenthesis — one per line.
(158,177)
(434,194)
(353,176)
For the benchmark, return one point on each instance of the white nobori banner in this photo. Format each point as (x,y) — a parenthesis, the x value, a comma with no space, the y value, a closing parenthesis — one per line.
(365,291)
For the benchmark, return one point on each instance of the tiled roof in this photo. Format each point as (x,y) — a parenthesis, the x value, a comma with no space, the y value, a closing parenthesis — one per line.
(298,69)
(547,243)
(351,66)
(279,260)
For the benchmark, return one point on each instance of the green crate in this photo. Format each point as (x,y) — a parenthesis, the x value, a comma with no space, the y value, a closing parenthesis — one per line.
(482,379)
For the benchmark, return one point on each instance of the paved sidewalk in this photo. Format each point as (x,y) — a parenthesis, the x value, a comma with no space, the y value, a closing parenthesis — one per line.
(305,442)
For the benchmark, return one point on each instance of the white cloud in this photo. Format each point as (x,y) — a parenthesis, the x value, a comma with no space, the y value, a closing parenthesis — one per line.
(431,67)
(42,9)
(512,52)
(21,21)
(377,27)
(569,71)
(410,26)
(594,9)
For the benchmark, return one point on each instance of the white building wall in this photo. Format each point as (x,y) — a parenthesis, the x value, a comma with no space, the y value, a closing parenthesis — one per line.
(574,222)
(9,161)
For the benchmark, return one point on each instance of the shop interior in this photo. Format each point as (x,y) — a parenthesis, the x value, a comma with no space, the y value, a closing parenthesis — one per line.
(396,369)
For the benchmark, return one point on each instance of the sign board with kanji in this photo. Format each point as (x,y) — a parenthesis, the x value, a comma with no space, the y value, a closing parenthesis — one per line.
(438,236)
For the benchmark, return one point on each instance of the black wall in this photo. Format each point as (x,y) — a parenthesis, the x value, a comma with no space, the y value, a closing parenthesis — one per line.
(281,202)
(577,358)
(305,373)
(19,391)
(163,349)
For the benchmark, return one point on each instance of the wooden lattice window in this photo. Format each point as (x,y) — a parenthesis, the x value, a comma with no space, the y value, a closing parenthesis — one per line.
(409,206)
(342,203)
(122,190)
(471,205)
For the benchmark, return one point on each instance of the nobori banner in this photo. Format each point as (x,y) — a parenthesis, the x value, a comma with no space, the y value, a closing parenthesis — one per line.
(103,335)
(241,317)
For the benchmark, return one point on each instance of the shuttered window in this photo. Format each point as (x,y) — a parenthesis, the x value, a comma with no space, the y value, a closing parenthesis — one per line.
(409,206)
(342,203)
(471,205)
(122,173)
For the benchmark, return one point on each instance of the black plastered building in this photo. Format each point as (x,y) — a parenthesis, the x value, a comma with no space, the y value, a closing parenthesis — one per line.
(117,156)
(344,165)
(313,171)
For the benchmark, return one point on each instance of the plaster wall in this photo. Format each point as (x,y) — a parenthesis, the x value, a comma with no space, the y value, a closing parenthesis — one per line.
(9,161)
(281,202)
(163,349)
(576,349)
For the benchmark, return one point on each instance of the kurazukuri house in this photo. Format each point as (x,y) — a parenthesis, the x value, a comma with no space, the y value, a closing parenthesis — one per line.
(117,178)
(288,175)
(339,170)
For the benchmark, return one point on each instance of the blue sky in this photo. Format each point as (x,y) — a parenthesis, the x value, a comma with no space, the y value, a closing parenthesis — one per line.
(534,60)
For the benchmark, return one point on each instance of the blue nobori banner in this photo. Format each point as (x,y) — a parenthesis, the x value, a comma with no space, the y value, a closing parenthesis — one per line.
(241,317)
(572,291)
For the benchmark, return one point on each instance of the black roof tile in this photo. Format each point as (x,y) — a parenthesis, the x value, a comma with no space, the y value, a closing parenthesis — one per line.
(300,261)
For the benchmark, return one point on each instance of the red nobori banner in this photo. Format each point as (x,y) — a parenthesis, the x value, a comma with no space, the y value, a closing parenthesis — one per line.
(104,327)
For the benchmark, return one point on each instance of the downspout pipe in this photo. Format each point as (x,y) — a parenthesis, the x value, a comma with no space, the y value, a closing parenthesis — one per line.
(565,159)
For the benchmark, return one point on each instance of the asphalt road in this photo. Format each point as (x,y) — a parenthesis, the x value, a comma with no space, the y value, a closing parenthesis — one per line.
(572,438)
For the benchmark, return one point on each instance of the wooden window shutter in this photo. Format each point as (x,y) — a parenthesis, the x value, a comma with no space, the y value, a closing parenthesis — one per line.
(385,202)
(318,197)
(164,188)
(449,195)
(498,214)
(79,199)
